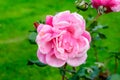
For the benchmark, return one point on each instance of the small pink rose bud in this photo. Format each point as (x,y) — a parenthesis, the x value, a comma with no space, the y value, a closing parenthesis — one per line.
(36,24)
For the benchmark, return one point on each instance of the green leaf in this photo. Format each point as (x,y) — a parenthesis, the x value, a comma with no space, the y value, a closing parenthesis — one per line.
(92,25)
(95,72)
(115,77)
(32,37)
(105,27)
(74,78)
(102,36)
(62,71)
(38,63)
(81,72)
(99,27)
(97,37)
(115,54)
(40,21)
(103,47)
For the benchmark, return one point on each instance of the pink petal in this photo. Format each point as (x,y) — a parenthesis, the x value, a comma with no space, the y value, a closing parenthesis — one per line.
(96,3)
(45,48)
(45,35)
(116,8)
(75,51)
(61,56)
(62,24)
(44,45)
(77,60)
(41,57)
(79,19)
(39,27)
(43,39)
(49,20)
(86,34)
(52,60)
(83,46)
(78,23)
(61,18)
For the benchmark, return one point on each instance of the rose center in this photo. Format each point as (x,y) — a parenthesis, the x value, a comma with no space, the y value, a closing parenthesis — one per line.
(68,47)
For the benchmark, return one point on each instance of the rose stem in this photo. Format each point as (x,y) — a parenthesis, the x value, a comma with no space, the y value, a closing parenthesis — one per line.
(64,67)
(74,69)
(95,49)
(95,19)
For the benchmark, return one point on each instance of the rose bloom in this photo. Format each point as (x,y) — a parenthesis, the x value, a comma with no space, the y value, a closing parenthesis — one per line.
(109,5)
(63,39)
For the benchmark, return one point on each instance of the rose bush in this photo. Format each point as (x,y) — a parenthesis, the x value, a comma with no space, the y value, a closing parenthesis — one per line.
(108,5)
(63,39)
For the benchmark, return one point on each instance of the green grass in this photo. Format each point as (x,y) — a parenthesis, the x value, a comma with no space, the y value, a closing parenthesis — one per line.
(16,20)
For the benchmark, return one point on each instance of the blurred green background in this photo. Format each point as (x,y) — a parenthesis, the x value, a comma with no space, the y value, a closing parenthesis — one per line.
(16,20)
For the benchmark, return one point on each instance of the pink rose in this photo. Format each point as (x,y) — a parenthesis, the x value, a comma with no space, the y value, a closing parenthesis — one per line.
(109,5)
(63,39)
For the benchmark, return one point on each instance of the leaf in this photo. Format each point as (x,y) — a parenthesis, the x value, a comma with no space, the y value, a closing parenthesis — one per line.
(102,36)
(62,71)
(81,72)
(97,37)
(95,72)
(114,77)
(99,27)
(103,47)
(93,25)
(74,78)
(105,27)
(115,54)
(38,63)
(32,37)
(40,21)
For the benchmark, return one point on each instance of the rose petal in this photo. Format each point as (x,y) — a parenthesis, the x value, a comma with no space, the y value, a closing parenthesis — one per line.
(61,56)
(49,20)
(75,50)
(40,27)
(77,60)
(44,46)
(41,57)
(86,34)
(80,20)
(53,61)
(83,46)
(116,8)
(63,16)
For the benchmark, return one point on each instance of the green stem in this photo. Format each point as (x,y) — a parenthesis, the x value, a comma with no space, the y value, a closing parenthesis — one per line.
(63,76)
(74,69)
(95,19)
